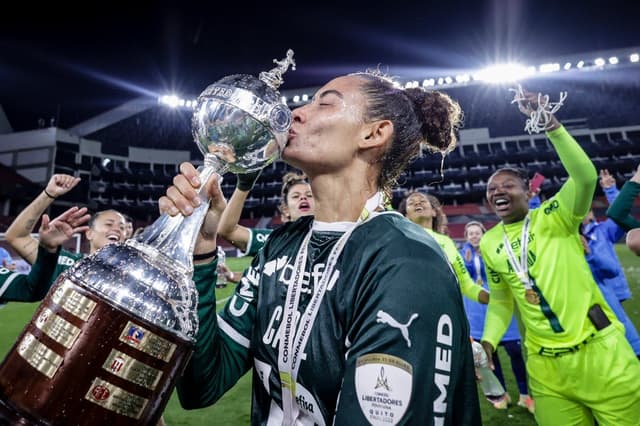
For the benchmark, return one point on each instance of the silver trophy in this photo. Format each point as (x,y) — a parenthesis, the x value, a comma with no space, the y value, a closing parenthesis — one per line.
(116,329)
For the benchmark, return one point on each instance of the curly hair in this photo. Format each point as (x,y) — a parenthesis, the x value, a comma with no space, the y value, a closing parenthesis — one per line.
(419,117)
(289,180)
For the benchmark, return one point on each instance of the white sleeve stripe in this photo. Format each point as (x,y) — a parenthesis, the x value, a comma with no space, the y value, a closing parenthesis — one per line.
(7,283)
(248,249)
(232,333)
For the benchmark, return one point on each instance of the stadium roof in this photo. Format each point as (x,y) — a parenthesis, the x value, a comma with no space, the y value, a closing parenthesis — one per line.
(70,64)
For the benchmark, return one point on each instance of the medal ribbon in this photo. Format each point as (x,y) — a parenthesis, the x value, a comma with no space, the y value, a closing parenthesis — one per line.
(521,268)
(291,347)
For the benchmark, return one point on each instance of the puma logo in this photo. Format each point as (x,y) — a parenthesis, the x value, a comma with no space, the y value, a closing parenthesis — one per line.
(385,318)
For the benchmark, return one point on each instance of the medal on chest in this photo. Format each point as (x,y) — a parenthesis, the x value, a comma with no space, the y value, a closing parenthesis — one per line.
(531,296)
(521,267)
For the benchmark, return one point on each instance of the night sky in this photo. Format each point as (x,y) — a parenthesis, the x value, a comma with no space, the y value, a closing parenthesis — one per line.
(85,62)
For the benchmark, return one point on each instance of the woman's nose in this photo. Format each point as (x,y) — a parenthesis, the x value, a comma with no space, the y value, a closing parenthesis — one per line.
(298,114)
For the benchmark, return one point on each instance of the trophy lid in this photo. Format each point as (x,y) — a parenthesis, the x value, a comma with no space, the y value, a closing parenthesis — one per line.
(273,78)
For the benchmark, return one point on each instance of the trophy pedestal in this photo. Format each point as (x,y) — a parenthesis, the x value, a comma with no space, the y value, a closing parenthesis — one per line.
(83,360)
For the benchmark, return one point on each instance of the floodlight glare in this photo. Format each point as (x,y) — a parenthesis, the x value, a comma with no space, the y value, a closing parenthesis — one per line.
(503,73)
(550,67)
(613,60)
(567,66)
(296,98)
(170,100)
(305,97)
(580,64)
(599,62)
(634,57)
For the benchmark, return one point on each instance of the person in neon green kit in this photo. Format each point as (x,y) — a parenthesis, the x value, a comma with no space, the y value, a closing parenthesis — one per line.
(425,210)
(580,366)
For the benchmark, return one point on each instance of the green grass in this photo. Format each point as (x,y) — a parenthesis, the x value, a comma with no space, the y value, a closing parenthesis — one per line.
(234,407)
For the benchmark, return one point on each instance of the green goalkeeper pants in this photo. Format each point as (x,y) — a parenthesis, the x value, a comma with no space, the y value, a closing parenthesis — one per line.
(601,380)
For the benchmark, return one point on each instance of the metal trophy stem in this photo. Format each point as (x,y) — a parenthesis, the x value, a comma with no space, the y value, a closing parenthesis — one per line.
(170,235)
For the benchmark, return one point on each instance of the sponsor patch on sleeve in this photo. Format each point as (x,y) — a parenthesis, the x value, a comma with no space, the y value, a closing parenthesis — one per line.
(383,387)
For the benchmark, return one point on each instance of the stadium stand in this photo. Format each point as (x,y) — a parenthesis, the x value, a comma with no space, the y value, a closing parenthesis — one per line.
(129,163)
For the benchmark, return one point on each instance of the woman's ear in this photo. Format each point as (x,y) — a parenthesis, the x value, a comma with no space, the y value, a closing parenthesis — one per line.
(285,216)
(376,134)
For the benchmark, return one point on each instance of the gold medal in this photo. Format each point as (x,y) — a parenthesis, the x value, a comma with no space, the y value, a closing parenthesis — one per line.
(532,297)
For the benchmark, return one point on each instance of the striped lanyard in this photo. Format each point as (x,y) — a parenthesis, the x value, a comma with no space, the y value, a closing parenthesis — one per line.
(521,268)
(293,341)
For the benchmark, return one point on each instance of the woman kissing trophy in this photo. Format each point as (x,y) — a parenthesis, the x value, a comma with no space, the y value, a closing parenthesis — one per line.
(116,330)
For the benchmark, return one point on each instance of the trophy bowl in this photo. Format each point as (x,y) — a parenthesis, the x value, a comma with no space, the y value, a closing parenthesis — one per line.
(242,121)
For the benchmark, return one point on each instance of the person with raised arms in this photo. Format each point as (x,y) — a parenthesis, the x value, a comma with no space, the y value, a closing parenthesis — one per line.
(579,364)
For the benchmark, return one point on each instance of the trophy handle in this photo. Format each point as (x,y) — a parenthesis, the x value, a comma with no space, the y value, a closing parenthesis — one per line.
(174,237)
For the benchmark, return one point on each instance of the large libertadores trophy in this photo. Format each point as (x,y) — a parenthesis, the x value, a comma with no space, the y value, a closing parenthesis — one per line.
(115,331)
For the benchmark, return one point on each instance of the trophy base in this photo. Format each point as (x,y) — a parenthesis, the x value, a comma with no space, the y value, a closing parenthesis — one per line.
(9,416)
(82,360)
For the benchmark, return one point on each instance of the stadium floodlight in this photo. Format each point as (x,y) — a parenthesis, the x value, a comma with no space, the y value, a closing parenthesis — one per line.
(503,73)
(599,62)
(463,78)
(305,97)
(448,80)
(284,99)
(296,98)
(440,81)
(580,64)
(552,67)
(105,162)
(428,82)
(634,57)
(567,66)
(170,100)
(613,60)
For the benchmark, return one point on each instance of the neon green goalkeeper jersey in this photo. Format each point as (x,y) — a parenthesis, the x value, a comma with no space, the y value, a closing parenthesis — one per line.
(558,270)
(467,286)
